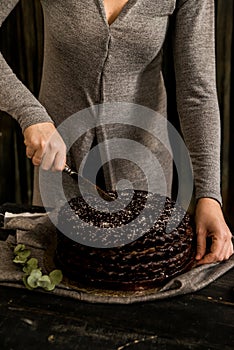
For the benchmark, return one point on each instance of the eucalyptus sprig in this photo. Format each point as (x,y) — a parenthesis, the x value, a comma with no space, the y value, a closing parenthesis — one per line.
(33,277)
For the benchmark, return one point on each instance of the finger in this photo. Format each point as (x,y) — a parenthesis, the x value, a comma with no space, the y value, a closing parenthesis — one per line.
(232,247)
(225,252)
(229,252)
(37,157)
(215,252)
(221,250)
(208,259)
(201,244)
(29,152)
(48,160)
(228,246)
(59,162)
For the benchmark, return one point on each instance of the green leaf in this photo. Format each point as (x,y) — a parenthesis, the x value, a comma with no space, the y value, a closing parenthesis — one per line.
(33,278)
(31,264)
(24,254)
(26,283)
(19,248)
(56,276)
(20,260)
(45,283)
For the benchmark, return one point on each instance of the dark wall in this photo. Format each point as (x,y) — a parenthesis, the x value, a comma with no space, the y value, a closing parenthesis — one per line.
(225,85)
(21,41)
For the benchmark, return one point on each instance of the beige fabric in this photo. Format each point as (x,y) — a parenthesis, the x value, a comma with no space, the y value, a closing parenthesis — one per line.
(41,240)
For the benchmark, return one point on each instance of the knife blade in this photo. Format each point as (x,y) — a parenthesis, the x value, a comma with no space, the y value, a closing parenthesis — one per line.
(87,185)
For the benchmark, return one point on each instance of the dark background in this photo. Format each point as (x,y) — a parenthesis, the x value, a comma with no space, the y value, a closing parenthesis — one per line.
(21,42)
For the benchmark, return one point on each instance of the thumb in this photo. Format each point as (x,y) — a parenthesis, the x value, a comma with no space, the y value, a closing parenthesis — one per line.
(201,243)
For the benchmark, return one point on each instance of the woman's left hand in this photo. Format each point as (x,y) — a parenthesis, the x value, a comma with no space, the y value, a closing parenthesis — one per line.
(210,222)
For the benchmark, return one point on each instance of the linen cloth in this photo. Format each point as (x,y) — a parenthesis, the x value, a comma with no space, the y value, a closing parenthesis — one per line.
(41,240)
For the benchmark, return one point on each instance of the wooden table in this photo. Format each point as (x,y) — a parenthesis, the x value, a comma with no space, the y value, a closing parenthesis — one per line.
(203,320)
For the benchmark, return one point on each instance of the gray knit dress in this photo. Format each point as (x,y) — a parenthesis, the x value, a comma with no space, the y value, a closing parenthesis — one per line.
(89,62)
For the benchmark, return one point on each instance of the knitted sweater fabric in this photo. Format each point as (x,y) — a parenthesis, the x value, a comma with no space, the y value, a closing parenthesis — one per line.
(89,62)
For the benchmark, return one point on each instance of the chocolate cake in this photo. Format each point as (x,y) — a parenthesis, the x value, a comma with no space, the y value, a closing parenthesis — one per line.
(148,261)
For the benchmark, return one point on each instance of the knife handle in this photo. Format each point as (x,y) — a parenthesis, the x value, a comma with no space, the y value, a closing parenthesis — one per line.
(70,172)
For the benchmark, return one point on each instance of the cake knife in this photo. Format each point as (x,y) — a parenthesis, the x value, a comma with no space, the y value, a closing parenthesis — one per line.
(87,184)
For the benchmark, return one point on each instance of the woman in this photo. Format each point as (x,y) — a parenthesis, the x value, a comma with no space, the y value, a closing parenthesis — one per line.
(104,51)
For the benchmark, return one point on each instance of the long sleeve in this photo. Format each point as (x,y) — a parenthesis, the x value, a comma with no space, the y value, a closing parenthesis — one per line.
(194,57)
(15,98)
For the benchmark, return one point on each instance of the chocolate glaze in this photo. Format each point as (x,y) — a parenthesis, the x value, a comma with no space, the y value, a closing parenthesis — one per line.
(149,261)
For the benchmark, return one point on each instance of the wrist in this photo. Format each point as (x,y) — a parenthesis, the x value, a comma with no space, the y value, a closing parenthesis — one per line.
(208,206)
(208,201)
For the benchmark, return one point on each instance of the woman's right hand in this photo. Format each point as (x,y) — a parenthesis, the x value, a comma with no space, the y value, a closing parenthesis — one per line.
(45,146)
